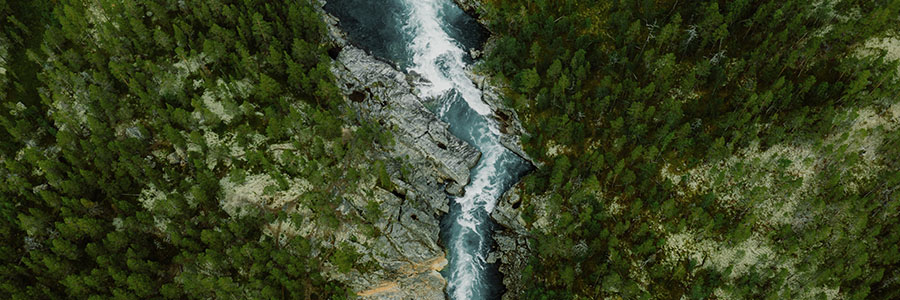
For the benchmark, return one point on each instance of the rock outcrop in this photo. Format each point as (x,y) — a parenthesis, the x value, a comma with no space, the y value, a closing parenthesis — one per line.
(511,129)
(425,163)
(471,7)
(382,93)
(513,249)
(406,254)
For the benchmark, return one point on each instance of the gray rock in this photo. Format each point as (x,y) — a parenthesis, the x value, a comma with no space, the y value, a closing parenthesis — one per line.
(511,129)
(335,35)
(413,78)
(472,7)
(381,93)
(507,213)
(513,249)
(405,251)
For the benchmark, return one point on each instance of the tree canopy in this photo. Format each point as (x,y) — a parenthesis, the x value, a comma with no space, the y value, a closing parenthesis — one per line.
(705,149)
(127,124)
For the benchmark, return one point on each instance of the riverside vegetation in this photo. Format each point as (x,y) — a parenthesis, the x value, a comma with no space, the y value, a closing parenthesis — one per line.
(705,149)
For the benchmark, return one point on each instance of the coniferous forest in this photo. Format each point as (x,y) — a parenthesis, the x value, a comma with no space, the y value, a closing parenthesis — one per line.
(706,149)
(123,119)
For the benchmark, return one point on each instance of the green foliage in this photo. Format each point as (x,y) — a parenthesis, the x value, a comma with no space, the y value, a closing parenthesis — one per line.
(616,93)
(120,119)
(345,257)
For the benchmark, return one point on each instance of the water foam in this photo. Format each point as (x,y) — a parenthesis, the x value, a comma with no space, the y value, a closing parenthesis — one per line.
(437,57)
(440,59)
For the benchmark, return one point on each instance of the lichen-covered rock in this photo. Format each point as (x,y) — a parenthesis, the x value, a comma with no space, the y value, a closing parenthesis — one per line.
(472,7)
(511,129)
(336,36)
(406,253)
(382,93)
(513,249)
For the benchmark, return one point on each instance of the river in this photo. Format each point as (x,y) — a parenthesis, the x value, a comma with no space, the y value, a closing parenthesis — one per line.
(431,38)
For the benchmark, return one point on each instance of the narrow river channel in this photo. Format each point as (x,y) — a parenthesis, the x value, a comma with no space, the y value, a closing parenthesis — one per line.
(431,38)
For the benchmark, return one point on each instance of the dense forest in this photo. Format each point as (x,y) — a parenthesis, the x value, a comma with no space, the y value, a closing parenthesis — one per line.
(126,123)
(688,149)
(706,149)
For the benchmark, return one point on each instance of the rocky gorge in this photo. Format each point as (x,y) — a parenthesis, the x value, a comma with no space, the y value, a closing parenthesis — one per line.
(438,163)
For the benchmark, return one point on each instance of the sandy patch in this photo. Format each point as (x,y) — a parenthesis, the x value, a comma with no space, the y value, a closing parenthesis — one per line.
(384,288)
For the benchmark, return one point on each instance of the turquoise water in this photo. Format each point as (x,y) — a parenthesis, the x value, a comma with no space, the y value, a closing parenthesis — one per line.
(433,38)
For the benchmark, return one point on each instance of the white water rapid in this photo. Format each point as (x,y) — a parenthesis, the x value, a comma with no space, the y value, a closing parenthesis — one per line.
(441,60)
(437,57)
